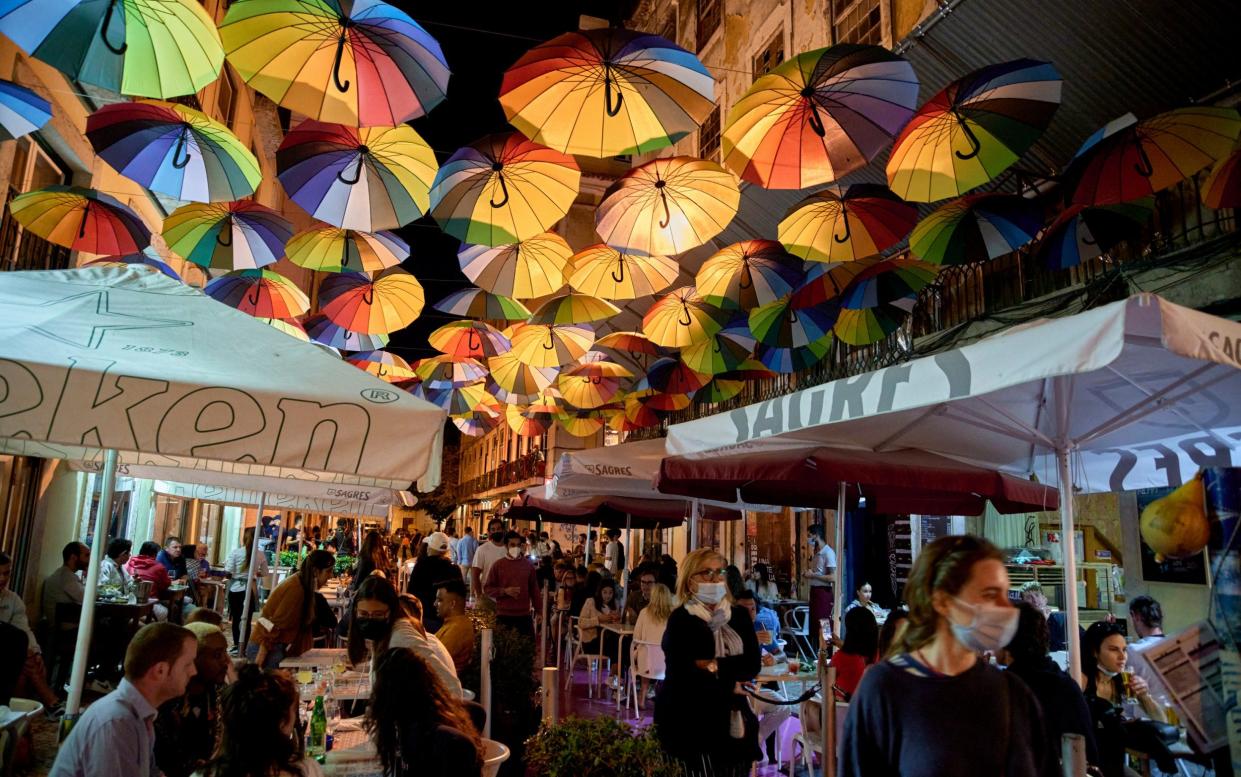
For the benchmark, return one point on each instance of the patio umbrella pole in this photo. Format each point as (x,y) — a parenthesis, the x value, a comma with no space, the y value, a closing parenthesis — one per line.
(81,650)
(254,560)
(589,541)
(840,560)
(624,571)
(1068,550)
(279,544)
(693,525)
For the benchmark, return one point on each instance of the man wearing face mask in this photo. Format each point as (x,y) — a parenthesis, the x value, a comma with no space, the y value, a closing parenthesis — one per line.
(822,575)
(514,586)
(487,554)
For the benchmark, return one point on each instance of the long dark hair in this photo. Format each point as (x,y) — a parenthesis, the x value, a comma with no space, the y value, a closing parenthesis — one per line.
(861,634)
(764,573)
(371,544)
(944,565)
(316,561)
(888,634)
(1091,644)
(598,595)
(251,713)
(374,588)
(408,703)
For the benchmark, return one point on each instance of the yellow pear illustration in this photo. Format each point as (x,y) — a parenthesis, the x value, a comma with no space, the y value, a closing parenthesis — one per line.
(1177,526)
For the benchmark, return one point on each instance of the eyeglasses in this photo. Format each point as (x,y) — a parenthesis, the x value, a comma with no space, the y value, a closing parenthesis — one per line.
(708,574)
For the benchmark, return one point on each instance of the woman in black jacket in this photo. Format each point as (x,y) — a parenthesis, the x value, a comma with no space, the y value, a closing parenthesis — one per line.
(710,647)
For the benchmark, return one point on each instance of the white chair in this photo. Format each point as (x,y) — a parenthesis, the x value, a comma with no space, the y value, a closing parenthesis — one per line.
(494,754)
(643,669)
(796,626)
(810,737)
(594,661)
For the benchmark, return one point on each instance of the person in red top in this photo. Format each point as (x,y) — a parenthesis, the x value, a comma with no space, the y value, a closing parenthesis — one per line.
(514,587)
(145,566)
(859,651)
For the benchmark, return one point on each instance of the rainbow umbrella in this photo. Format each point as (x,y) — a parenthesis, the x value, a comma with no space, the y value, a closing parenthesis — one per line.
(672,376)
(479,421)
(146,256)
(632,416)
(747,274)
(366,179)
(519,378)
(667,206)
(330,249)
(323,331)
(681,318)
(605,272)
(632,342)
(607,92)
(449,371)
(785,361)
(457,400)
(596,365)
(288,326)
(725,350)
(476,303)
(844,224)
(147,48)
(261,293)
(475,339)
(785,324)
(1222,188)
(383,365)
(526,422)
(81,219)
(1080,233)
(580,423)
(363,63)
(21,111)
(542,345)
(503,189)
(660,400)
(719,389)
(976,228)
(174,150)
(973,130)
(819,116)
(227,235)
(573,308)
(391,301)
(870,298)
(524,270)
(588,391)
(1129,159)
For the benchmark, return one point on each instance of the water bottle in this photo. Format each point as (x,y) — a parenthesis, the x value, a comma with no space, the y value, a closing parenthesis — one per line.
(318,730)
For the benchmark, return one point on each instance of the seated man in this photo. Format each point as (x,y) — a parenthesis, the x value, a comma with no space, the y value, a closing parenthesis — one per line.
(457,633)
(766,623)
(429,646)
(113,573)
(770,715)
(186,726)
(170,558)
(22,668)
(64,586)
(638,599)
(146,567)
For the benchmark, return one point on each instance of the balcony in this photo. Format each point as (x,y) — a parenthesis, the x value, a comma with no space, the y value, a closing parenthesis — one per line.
(532,466)
(22,250)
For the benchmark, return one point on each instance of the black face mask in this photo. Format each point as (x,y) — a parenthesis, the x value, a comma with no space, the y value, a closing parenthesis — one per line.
(497,536)
(373,628)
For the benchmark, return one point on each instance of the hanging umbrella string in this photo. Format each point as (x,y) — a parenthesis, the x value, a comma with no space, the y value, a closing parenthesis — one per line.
(345,24)
(177,162)
(975,145)
(103,30)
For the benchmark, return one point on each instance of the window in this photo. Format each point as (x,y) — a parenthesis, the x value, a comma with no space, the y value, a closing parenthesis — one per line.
(33,168)
(188,100)
(770,56)
(710,14)
(709,135)
(857,21)
(669,30)
(226,98)
(171,513)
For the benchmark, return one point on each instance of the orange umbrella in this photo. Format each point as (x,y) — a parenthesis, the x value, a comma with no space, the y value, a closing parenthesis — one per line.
(391,301)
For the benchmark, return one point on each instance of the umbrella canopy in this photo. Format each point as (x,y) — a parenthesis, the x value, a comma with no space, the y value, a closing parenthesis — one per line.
(388,367)
(475,339)
(976,228)
(605,272)
(455,400)
(449,371)
(330,249)
(261,293)
(632,342)
(503,189)
(673,376)
(524,270)
(720,388)
(228,235)
(476,303)
(517,377)
(363,63)
(289,326)
(1222,188)
(367,179)
(819,116)
(1080,233)
(607,92)
(527,422)
(633,416)
(21,111)
(588,392)
(787,360)
(681,318)
(174,150)
(747,274)
(323,331)
(844,224)
(786,324)
(479,421)
(542,345)
(391,301)
(573,308)
(973,130)
(146,257)
(726,350)
(1129,159)
(667,206)
(869,298)
(152,48)
(580,423)
(594,365)
(81,219)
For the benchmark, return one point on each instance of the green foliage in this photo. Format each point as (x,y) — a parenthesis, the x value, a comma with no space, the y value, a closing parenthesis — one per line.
(512,670)
(597,747)
(289,558)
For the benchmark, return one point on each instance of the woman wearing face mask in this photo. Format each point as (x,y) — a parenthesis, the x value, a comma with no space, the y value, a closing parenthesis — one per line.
(709,649)
(1104,654)
(936,708)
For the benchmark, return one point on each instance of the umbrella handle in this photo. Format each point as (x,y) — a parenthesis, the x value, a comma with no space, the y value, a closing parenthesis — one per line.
(620,262)
(368,296)
(607,94)
(381,372)
(1143,166)
(103,31)
(473,338)
(252,296)
(503,190)
(790,315)
(715,345)
(340,53)
(844,216)
(85,216)
(176,152)
(357,176)
(1088,241)
(747,278)
(551,343)
(222,233)
(663,196)
(688,318)
(975,145)
(814,121)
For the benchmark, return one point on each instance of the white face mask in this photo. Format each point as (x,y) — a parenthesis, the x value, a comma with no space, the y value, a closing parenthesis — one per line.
(1107,673)
(711,593)
(514,552)
(991,629)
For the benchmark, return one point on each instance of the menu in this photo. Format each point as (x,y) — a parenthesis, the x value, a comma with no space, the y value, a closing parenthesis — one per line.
(1193,667)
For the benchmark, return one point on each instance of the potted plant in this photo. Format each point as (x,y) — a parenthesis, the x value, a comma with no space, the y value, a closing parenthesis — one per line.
(597,747)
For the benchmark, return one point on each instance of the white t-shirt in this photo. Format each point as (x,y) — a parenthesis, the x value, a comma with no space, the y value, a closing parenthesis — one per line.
(429,649)
(613,558)
(824,562)
(1142,667)
(485,556)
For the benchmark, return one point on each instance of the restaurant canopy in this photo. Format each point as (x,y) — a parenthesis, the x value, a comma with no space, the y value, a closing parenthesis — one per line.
(611,512)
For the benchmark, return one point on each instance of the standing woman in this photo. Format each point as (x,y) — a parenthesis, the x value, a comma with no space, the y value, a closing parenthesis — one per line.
(709,649)
(898,721)
(287,624)
(237,565)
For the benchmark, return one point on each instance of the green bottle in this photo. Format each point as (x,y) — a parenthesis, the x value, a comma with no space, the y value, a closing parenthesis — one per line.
(318,730)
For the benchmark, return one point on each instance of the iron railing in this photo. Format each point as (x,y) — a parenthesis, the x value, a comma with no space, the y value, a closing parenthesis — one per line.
(22,250)
(528,467)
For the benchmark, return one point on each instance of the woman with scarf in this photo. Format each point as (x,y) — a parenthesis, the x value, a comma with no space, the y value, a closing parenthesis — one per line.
(703,718)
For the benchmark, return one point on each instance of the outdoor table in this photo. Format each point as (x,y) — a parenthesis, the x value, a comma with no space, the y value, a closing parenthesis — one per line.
(352,753)
(133,614)
(780,675)
(217,590)
(319,658)
(621,630)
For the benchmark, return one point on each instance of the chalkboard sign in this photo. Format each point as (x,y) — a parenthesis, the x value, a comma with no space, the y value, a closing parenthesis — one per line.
(933,527)
(1191,570)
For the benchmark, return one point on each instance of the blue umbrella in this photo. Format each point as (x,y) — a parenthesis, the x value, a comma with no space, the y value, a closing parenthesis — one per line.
(21,111)
(146,256)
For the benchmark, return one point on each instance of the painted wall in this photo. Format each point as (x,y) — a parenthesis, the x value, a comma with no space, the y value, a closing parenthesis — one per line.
(57,514)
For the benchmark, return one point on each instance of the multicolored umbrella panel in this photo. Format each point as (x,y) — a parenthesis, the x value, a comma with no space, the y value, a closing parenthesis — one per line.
(631,342)
(449,371)
(841,225)
(146,257)
(476,303)
(21,111)
(330,249)
(144,48)
(607,92)
(604,272)
(1080,234)
(682,318)
(786,324)
(580,423)
(785,360)
(573,308)
(174,150)
(819,116)
(322,330)
(474,339)
(386,366)
(261,293)
(747,274)
(589,392)
(527,422)
(518,377)
(524,270)
(288,326)
(239,235)
(391,301)
(1222,188)
(363,63)
(869,298)
(724,351)
(365,179)
(541,345)
(973,130)
(81,219)
(976,228)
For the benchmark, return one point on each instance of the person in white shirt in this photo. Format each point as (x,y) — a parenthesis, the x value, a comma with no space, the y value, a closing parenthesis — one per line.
(648,638)
(1146,616)
(237,565)
(30,672)
(614,554)
(486,555)
(112,571)
(822,576)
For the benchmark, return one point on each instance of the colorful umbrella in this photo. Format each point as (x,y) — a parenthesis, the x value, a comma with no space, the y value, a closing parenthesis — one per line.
(596,365)
(785,361)
(660,400)
(747,274)
(580,423)
(1080,234)
(476,303)
(261,293)
(227,235)
(383,365)
(146,256)
(503,189)
(391,301)
(588,391)
(21,111)
(449,371)
(457,400)
(147,48)
(784,324)
(524,270)
(573,308)
(673,376)
(632,342)
(719,389)
(1129,159)
(323,331)
(841,225)
(976,228)
(364,63)
(634,415)
(482,419)
(288,326)
(726,350)
(870,298)
(475,339)
(541,345)
(605,272)
(518,377)
(366,179)
(681,318)
(973,130)
(526,422)
(174,150)
(607,92)
(329,249)
(667,206)
(1222,188)
(81,219)
(819,116)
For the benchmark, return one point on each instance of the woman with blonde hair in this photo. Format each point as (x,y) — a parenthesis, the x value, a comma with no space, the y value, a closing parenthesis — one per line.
(710,647)
(649,629)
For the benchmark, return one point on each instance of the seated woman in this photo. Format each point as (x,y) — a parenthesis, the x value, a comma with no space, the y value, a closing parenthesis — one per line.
(861,647)
(601,608)
(652,622)
(863,594)
(1104,656)
(286,626)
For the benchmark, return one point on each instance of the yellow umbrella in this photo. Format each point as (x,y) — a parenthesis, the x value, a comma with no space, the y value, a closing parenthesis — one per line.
(681,319)
(517,377)
(523,270)
(580,423)
(449,371)
(383,365)
(331,249)
(573,308)
(540,345)
(597,368)
(668,206)
(476,339)
(605,272)
(587,392)
(526,422)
